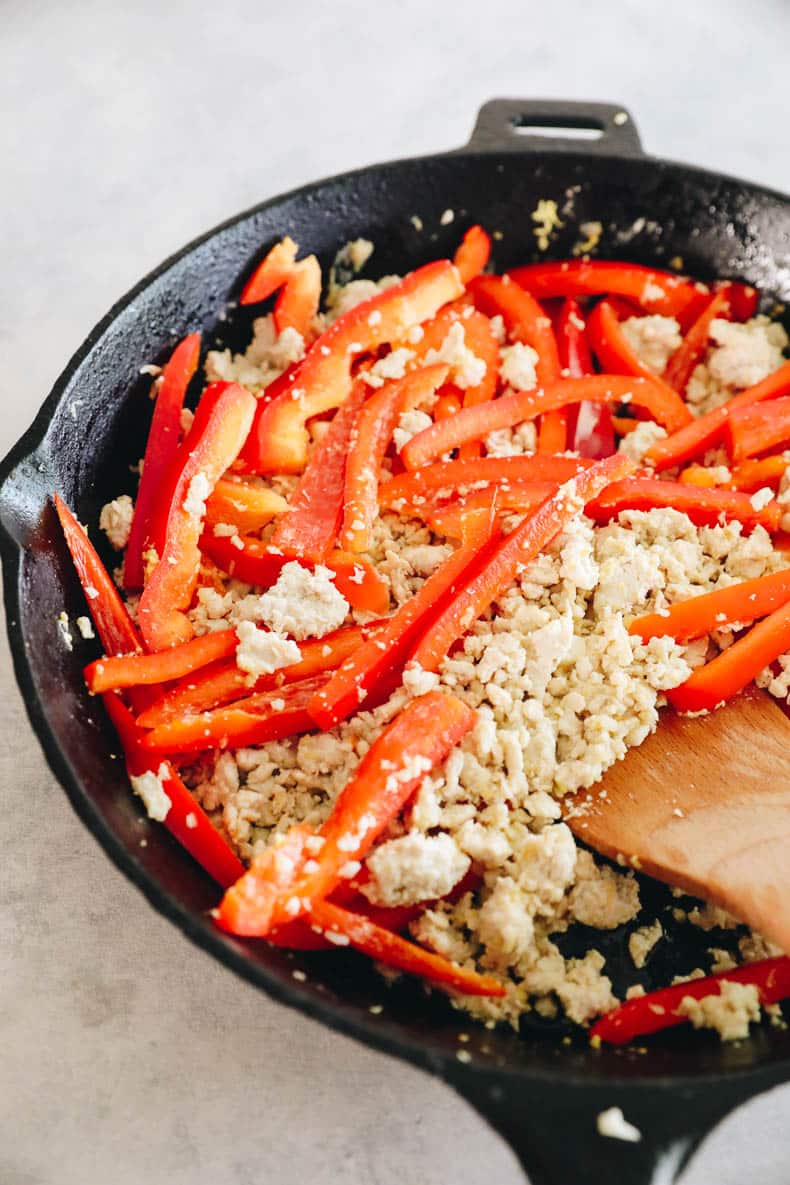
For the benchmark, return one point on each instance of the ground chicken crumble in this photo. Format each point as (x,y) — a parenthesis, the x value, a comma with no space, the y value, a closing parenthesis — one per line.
(560,688)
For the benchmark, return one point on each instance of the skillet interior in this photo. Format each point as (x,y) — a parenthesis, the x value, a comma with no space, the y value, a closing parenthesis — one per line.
(92,428)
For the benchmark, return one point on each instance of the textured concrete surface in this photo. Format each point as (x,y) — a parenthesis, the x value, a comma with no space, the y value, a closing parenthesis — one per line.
(126,1055)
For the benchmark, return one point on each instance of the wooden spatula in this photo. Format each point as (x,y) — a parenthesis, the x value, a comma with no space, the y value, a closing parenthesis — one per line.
(704,804)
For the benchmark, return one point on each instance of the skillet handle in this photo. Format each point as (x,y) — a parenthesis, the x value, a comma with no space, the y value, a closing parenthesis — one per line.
(553,1131)
(519,125)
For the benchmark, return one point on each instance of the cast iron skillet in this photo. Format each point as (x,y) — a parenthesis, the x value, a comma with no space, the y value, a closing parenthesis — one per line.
(541,1094)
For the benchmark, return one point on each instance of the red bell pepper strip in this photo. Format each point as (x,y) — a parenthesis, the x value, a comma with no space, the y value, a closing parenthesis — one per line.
(117,632)
(264,716)
(298,300)
(359,582)
(223,682)
(573,348)
(733,669)
(417,740)
(246,507)
(451,478)
(271,273)
(448,404)
(474,423)
(393,951)
(221,423)
(742,298)
(255,891)
(703,506)
(611,347)
(131,670)
(753,475)
(162,445)
(473,253)
(323,380)
(527,322)
(378,662)
(367,446)
(308,528)
(707,430)
(508,558)
(247,460)
(590,431)
(661,1010)
(655,291)
(692,349)
(736,604)
(756,429)
(453,518)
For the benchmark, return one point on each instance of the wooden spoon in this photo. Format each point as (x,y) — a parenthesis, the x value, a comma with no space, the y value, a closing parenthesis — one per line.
(704,804)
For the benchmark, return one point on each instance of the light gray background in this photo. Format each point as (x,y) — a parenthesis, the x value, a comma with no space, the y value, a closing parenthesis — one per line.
(126,129)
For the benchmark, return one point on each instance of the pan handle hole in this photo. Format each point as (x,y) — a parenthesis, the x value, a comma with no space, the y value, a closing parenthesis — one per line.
(550,126)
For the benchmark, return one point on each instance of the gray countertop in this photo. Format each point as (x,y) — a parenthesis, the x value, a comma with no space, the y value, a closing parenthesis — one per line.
(127,1055)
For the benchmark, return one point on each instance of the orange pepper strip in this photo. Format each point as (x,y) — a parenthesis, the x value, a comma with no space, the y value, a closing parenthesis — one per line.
(393,951)
(656,291)
(756,429)
(447,478)
(661,1010)
(323,380)
(368,444)
(691,350)
(358,580)
(707,430)
(474,423)
(509,557)
(451,518)
(255,891)
(163,437)
(417,740)
(131,670)
(223,682)
(733,669)
(243,506)
(753,475)
(703,506)
(264,716)
(699,475)
(271,273)
(623,426)
(221,423)
(377,664)
(308,528)
(473,253)
(736,604)
(299,298)
(447,405)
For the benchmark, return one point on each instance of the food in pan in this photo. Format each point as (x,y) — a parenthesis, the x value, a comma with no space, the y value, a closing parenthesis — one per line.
(418,567)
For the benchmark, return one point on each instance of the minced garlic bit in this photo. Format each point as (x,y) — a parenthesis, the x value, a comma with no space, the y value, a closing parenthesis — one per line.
(115,520)
(150,787)
(547,219)
(85,626)
(62,620)
(614,1125)
(591,236)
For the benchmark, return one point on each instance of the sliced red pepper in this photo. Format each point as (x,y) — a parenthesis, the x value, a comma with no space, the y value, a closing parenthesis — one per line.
(655,291)
(393,951)
(359,582)
(131,670)
(264,716)
(473,253)
(611,347)
(323,380)
(758,428)
(589,425)
(368,444)
(736,604)
(701,434)
(703,506)
(246,507)
(452,478)
(452,518)
(448,404)
(223,682)
(247,460)
(376,665)
(692,349)
(308,528)
(733,669)
(417,740)
(297,303)
(524,319)
(573,347)
(742,298)
(271,273)
(475,423)
(661,1010)
(221,423)
(753,475)
(163,437)
(508,558)
(256,890)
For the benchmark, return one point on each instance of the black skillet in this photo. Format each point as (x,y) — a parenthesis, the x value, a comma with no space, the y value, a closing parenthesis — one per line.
(541,1093)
